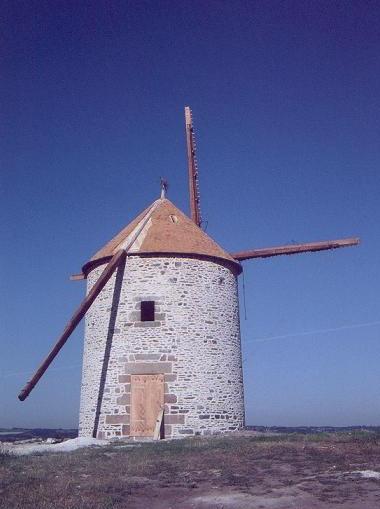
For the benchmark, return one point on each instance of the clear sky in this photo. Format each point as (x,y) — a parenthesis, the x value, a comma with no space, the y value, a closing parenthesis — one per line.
(285,97)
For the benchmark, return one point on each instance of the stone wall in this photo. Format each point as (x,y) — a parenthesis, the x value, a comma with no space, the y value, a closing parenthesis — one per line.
(194,341)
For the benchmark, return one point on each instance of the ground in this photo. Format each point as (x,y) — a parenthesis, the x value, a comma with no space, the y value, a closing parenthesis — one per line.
(243,470)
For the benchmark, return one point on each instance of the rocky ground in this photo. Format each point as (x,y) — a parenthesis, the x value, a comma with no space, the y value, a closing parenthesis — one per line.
(244,470)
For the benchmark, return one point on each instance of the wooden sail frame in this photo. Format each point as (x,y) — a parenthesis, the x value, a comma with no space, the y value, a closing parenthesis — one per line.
(291,249)
(195,210)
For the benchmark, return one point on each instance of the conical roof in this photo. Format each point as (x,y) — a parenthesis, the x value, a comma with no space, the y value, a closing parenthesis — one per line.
(162,229)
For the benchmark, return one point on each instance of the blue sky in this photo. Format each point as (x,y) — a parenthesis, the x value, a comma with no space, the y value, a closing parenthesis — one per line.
(285,97)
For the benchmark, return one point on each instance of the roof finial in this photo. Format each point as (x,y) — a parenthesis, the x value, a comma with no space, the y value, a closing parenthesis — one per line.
(164,187)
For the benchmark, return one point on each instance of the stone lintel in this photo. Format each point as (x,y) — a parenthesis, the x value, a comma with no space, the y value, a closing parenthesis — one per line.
(147,356)
(146,368)
(147,297)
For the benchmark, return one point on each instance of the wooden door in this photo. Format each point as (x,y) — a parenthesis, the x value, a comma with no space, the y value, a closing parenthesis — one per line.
(147,399)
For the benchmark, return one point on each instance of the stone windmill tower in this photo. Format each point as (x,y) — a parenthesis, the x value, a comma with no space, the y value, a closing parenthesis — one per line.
(162,353)
(168,319)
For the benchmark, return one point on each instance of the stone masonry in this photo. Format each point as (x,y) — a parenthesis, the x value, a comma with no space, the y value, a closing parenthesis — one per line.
(194,341)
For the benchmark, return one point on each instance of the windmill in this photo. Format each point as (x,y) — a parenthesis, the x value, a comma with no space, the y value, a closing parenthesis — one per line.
(162,350)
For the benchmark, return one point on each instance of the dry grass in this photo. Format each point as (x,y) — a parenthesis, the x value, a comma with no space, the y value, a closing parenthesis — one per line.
(314,468)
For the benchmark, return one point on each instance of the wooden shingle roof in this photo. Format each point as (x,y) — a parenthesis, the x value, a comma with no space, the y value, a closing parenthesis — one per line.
(167,231)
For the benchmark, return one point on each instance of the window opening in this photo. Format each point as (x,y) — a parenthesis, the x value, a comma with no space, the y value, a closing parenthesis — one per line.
(147,310)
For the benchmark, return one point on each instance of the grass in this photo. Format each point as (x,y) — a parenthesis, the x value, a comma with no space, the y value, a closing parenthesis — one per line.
(166,474)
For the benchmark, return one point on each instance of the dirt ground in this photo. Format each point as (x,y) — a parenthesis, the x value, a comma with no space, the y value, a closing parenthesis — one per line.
(243,470)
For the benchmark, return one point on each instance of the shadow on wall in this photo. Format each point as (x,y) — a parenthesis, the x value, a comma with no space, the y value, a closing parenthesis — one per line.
(107,350)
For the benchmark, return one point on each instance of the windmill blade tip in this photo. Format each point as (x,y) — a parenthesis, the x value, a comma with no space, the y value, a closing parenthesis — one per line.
(77,277)
(352,241)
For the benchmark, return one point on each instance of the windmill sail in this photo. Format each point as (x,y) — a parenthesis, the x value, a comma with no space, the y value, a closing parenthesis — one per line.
(116,260)
(290,249)
(193,169)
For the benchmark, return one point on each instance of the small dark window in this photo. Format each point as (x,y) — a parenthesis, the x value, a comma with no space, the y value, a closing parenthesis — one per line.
(147,310)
